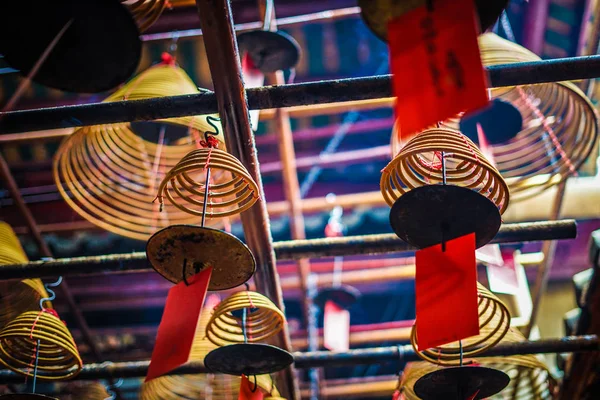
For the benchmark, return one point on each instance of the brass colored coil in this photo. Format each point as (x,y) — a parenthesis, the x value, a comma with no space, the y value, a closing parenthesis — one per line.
(109,174)
(494,323)
(85,391)
(530,378)
(419,164)
(229,197)
(58,356)
(17,297)
(263,319)
(531,162)
(145,12)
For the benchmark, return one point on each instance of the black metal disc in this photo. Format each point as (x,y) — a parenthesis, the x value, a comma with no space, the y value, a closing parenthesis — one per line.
(99,50)
(500,121)
(248,359)
(270,51)
(427,215)
(460,383)
(232,261)
(25,396)
(378,13)
(344,296)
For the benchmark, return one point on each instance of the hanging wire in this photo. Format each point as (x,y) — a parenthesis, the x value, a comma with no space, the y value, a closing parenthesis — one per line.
(50,292)
(110,389)
(506,27)
(268,15)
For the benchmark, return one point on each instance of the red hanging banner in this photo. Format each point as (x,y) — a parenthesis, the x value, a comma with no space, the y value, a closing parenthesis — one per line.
(435,60)
(446,293)
(250,390)
(178,325)
(336,327)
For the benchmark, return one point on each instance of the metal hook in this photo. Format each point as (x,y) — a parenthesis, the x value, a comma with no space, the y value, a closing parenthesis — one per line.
(255,384)
(184,277)
(247,286)
(47,286)
(111,392)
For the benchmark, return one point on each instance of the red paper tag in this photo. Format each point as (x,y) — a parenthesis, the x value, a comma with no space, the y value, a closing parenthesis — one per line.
(436,64)
(446,293)
(178,325)
(336,327)
(249,390)
(253,77)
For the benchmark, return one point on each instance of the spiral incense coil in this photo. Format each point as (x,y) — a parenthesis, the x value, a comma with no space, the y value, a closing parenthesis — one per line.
(263,319)
(109,174)
(559,126)
(145,12)
(85,390)
(419,164)
(17,297)
(229,197)
(58,356)
(494,323)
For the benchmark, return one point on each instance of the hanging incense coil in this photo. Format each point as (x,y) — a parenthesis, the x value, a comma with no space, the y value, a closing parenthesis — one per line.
(109,174)
(145,12)
(494,323)
(546,131)
(229,197)
(58,356)
(419,164)
(529,376)
(16,297)
(85,390)
(263,319)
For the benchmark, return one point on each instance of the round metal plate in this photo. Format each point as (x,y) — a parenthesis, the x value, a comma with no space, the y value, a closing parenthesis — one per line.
(26,396)
(425,216)
(344,296)
(500,121)
(270,51)
(460,383)
(248,359)
(378,13)
(232,261)
(98,51)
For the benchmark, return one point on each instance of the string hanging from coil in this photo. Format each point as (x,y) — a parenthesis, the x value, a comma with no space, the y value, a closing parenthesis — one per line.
(494,323)
(108,174)
(420,162)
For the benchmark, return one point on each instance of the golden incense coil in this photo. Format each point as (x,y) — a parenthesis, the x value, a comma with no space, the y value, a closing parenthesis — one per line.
(58,356)
(109,174)
(16,297)
(263,319)
(228,197)
(85,390)
(419,164)
(145,12)
(559,131)
(529,376)
(494,323)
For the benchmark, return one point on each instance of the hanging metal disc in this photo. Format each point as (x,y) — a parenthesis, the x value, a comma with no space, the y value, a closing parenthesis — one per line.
(427,215)
(461,383)
(99,50)
(344,296)
(378,13)
(501,121)
(248,359)
(26,396)
(198,248)
(270,51)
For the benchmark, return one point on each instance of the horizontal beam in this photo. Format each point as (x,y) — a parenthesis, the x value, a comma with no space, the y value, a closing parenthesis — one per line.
(376,355)
(322,92)
(286,250)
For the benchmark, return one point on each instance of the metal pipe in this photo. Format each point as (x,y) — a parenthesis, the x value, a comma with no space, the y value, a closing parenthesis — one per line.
(45,252)
(339,90)
(287,250)
(216,21)
(376,355)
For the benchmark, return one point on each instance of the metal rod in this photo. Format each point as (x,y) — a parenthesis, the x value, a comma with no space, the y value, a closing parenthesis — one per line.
(376,355)
(322,92)
(223,57)
(287,250)
(44,251)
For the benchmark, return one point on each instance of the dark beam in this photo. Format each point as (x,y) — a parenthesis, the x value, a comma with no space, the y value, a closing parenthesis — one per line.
(267,97)
(287,250)
(376,355)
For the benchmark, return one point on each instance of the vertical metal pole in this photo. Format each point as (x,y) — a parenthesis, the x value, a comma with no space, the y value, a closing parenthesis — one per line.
(224,62)
(313,337)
